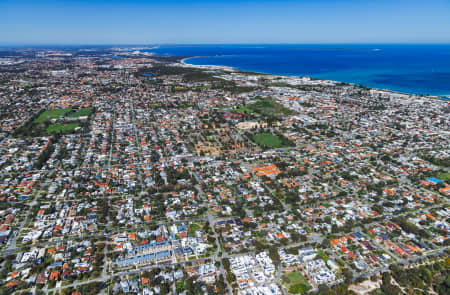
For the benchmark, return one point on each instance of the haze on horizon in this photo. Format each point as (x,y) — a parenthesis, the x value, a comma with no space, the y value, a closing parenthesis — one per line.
(211,21)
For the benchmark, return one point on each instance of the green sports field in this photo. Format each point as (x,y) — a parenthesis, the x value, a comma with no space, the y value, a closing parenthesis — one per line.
(267,140)
(48,115)
(81,113)
(63,128)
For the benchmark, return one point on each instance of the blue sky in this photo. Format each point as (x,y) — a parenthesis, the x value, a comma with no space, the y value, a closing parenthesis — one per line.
(231,21)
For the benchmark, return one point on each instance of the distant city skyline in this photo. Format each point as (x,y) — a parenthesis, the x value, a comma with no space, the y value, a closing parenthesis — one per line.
(214,22)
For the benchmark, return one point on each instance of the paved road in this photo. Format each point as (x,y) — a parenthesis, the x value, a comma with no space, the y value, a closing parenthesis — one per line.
(278,278)
(13,239)
(209,217)
(98,235)
(125,273)
(136,143)
(380,246)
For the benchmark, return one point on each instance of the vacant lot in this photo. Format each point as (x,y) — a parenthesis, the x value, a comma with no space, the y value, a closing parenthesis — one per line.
(296,283)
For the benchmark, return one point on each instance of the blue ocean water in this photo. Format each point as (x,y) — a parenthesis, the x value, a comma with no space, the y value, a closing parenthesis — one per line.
(419,69)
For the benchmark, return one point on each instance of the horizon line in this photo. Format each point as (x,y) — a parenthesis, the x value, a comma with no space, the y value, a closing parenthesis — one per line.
(219,43)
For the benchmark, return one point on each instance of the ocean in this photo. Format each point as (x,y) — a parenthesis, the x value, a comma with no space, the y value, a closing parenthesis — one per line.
(418,69)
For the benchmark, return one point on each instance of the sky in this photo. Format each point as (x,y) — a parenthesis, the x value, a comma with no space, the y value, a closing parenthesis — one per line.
(231,21)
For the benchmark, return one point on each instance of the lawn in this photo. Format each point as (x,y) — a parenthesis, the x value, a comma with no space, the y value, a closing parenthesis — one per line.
(322,255)
(48,115)
(296,277)
(201,87)
(278,84)
(297,283)
(63,128)
(81,112)
(180,286)
(444,176)
(267,140)
(267,107)
(242,109)
(193,228)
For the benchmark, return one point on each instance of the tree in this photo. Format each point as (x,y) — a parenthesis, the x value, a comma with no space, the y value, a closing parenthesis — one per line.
(206,227)
(164,289)
(259,247)
(325,243)
(324,289)
(347,274)
(231,277)
(221,285)
(273,254)
(298,289)
(226,263)
(387,286)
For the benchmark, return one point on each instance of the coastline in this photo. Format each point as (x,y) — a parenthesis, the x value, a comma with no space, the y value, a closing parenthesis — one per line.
(206,67)
(235,69)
